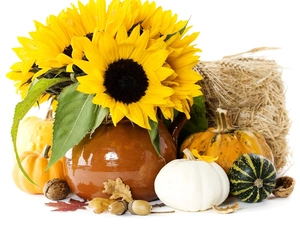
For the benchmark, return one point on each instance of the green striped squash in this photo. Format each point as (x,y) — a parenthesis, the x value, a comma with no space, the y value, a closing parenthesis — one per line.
(252,178)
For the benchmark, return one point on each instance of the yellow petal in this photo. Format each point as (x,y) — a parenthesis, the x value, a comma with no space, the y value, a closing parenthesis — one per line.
(205,158)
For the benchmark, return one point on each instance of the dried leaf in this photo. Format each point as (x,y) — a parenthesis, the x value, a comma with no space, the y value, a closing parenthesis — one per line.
(226,210)
(63,206)
(117,189)
(100,204)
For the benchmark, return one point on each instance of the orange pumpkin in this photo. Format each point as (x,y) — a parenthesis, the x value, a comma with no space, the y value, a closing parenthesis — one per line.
(34,133)
(227,142)
(34,164)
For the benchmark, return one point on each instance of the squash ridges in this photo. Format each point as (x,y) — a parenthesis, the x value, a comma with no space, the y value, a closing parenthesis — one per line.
(252,178)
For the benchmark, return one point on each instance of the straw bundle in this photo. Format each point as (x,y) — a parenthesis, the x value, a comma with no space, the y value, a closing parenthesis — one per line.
(252,90)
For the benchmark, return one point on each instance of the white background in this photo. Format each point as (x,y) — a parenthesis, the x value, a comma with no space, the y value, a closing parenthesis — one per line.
(227,27)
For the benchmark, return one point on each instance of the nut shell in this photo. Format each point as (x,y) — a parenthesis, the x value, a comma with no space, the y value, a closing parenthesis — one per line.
(56,189)
(284,186)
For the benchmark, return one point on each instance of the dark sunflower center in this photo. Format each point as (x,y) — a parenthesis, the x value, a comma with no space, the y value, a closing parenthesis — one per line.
(125,81)
(68,51)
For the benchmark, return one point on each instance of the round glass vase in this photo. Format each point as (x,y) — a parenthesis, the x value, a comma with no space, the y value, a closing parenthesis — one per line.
(124,151)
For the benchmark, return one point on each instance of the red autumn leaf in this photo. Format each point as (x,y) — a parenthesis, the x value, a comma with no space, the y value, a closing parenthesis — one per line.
(72,205)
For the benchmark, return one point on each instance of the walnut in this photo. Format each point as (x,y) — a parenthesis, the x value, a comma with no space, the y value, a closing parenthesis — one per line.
(56,189)
(284,186)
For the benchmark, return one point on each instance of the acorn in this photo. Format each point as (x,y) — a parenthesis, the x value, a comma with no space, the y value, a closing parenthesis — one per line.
(139,207)
(118,207)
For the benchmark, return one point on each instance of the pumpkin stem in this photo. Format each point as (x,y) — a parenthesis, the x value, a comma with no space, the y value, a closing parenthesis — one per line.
(45,152)
(49,115)
(189,155)
(223,122)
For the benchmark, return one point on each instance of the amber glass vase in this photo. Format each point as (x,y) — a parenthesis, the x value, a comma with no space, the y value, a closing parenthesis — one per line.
(124,151)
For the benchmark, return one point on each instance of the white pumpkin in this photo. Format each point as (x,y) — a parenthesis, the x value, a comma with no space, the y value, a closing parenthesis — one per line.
(191,184)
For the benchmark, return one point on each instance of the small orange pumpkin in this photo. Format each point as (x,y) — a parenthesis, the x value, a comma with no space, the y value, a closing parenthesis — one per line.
(34,133)
(34,164)
(227,142)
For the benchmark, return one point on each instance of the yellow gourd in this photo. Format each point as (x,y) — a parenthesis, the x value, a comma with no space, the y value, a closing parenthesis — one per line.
(34,164)
(227,142)
(34,133)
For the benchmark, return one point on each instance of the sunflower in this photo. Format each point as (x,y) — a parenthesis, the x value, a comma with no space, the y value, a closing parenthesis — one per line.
(22,81)
(182,58)
(48,52)
(184,81)
(163,25)
(55,51)
(125,74)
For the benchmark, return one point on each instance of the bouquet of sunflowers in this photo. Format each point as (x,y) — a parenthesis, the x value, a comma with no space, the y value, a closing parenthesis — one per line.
(92,61)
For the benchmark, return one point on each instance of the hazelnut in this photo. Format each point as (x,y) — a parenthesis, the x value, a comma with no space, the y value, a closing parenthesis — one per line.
(284,186)
(56,189)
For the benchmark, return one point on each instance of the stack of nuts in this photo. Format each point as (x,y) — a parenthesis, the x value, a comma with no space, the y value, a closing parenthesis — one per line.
(135,207)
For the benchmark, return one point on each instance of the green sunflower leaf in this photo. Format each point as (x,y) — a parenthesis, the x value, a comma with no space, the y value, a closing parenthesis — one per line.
(101,114)
(36,90)
(75,116)
(154,136)
(197,122)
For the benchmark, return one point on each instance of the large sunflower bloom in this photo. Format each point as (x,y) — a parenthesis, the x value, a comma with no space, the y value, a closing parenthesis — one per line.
(50,45)
(162,24)
(125,74)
